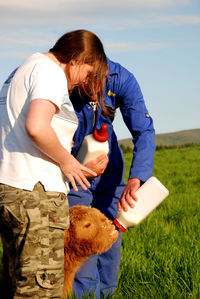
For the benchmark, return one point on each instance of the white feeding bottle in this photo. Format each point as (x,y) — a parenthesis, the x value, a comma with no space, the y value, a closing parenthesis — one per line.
(149,195)
(94,145)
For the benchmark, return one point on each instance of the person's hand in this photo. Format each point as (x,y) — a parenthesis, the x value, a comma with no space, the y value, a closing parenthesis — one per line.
(129,194)
(97,165)
(76,172)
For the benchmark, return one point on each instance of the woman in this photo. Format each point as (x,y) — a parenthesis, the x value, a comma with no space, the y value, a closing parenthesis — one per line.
(35,160)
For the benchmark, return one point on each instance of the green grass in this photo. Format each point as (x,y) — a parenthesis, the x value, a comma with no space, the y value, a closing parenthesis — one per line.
(161,256)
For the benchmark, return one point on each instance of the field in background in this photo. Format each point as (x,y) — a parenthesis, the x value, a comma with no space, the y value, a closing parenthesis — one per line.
(179,138)
(161,257)
(171,139)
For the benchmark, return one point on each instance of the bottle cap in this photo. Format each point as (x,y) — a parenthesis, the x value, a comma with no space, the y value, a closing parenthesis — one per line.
(121,227)
(101,135)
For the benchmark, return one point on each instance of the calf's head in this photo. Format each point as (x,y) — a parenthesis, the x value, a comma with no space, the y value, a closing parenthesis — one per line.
(90,231)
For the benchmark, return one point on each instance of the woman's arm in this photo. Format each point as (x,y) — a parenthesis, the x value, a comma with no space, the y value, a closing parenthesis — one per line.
(38,127)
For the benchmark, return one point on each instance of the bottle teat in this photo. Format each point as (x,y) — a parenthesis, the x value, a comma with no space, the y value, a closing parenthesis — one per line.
(119,225)
(101,135)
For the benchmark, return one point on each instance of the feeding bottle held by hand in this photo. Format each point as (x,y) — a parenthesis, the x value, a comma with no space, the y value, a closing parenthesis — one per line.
(149,195)
(94,145)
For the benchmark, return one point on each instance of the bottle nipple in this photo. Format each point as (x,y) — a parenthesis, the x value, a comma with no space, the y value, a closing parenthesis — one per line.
(119,225)
(101,135)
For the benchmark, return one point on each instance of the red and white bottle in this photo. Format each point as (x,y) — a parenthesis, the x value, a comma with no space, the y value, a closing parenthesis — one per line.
(149,195)
(94,145)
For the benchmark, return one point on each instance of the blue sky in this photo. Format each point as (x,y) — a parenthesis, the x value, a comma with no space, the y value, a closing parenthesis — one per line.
(157,40)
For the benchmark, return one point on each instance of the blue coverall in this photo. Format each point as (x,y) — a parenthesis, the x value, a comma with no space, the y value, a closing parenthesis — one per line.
(100,272)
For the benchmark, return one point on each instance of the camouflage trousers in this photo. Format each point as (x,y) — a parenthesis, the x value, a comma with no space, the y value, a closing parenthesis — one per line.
(32,227)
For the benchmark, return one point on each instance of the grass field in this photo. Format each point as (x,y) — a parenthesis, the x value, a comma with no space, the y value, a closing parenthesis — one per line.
(161,257)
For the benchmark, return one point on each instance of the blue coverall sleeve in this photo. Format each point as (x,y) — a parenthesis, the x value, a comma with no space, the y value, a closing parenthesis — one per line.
(140,125)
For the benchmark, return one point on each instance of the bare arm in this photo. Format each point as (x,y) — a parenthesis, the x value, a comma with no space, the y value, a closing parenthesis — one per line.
(129,194)
(38,127)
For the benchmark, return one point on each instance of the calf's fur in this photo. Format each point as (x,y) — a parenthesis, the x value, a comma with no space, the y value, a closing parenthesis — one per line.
(90,232)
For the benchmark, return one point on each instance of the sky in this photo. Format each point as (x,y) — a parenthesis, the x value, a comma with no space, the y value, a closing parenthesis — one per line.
(157,40)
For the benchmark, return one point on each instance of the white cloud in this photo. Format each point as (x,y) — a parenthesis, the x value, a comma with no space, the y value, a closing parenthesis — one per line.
(48,5)
(36,24)
(126,47)
(14,39)
(19,45)
(155,21)
(73,12)
(179,20)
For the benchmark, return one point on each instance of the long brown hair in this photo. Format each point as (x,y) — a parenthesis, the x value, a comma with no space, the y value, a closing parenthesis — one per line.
(85,47)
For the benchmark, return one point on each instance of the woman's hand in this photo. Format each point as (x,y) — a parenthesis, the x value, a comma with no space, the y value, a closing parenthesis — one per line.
(129,194)
(97,165)
(76,172)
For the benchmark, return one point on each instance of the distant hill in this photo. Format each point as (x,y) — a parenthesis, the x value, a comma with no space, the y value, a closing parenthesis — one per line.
(170,139)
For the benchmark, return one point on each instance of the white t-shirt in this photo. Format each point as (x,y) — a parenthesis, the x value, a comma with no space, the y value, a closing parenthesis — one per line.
(22,164)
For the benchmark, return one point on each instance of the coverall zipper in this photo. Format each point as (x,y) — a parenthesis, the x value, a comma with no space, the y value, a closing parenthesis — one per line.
(94,106)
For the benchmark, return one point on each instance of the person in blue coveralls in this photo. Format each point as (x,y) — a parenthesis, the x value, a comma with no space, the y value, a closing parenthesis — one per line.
(109,192)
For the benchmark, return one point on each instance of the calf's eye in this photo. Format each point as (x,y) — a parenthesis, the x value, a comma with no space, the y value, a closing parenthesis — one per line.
(87,225)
